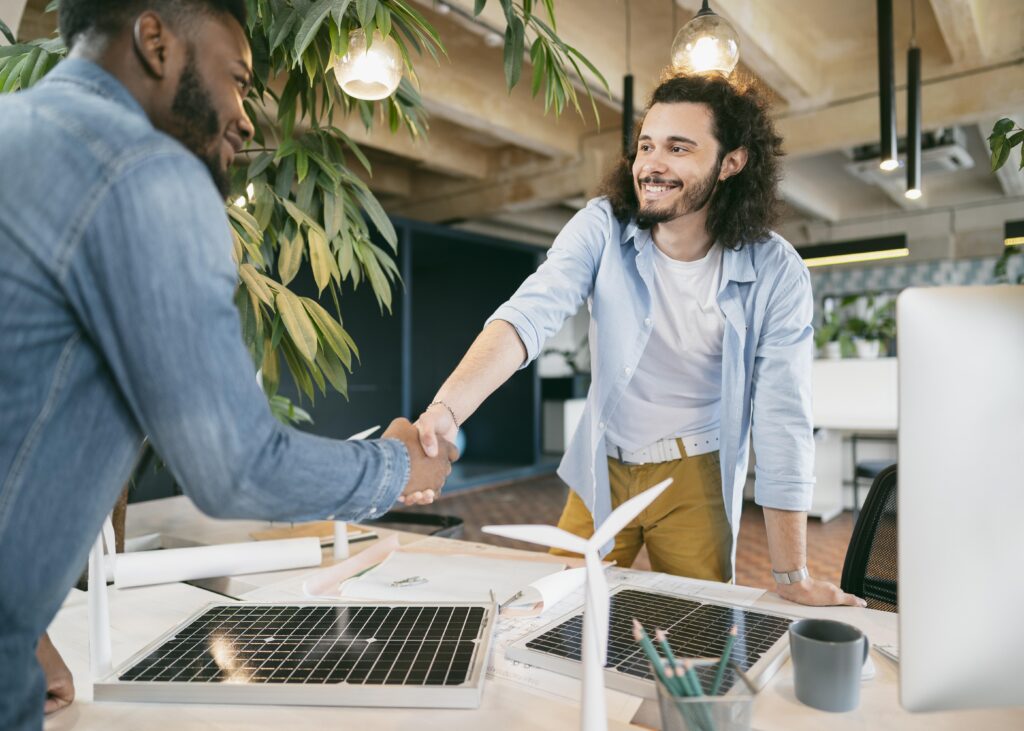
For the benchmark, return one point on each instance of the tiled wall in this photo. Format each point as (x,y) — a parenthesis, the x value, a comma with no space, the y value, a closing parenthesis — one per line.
(894,277)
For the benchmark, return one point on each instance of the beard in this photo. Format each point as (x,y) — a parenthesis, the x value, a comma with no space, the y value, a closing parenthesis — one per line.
(694,198)
(196,124)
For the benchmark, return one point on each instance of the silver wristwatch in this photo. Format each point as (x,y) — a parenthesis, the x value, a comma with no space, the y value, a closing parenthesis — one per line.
(790,577)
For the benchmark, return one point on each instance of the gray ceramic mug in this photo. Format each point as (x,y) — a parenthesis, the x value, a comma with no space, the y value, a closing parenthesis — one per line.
(827,661)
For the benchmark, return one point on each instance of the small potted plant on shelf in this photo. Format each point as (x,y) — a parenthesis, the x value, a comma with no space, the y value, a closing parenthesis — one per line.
(833,338)
(878,326)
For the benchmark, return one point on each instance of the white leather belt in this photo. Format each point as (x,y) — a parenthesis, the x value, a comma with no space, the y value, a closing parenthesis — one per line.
(666,450)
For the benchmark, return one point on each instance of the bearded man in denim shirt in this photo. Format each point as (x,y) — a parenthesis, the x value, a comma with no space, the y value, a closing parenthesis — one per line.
(117,319)
(700,337)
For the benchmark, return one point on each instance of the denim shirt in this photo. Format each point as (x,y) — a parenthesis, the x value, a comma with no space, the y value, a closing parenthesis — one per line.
(116,321)
(767,349)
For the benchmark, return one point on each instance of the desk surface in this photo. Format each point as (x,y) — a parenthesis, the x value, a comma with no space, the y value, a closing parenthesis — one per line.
(139,615)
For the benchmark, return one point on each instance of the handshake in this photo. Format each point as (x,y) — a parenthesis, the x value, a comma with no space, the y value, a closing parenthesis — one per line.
(430,443)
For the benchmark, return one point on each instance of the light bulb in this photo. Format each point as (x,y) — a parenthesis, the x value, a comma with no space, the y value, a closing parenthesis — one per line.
(913,194)
(706,44)
(888,165)
(369,73)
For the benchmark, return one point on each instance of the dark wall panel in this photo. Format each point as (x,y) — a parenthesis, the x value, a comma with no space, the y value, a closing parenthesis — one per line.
(457,283)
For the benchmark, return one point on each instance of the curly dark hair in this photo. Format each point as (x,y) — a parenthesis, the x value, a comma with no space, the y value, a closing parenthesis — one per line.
(105,18)
(743,207)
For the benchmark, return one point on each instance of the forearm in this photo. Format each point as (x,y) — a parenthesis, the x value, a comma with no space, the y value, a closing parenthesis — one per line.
(494,356)
(787,538)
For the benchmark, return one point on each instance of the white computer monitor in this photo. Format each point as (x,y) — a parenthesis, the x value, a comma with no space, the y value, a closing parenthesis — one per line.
(961,497)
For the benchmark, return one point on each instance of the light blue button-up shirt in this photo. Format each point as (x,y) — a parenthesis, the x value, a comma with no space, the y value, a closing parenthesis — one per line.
(767,348)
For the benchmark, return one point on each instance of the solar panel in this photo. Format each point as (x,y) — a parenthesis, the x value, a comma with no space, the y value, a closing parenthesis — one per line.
(694,628)
(423,655)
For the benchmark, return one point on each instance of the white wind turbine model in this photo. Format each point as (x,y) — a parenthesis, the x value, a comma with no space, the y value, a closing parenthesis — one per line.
(596,602)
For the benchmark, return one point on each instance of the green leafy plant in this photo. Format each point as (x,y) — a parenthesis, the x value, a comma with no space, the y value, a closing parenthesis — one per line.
(298,199)
(878,323)
(833,329)
(1005,136)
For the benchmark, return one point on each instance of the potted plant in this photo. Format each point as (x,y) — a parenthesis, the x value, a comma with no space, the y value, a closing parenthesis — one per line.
(833,339)
(827,337)
(876,327)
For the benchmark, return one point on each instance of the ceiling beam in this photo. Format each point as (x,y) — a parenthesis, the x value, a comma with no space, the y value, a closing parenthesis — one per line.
(386,178)
(958,100)
(443,149)
(518,190)
(596,28)
(809,196)
(775,48)
(468,88)
(959,24)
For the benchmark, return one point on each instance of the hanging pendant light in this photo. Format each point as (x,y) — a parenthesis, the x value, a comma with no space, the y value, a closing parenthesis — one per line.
(886,87)
(706,44)
(913,191)
(369,71)
(627,93)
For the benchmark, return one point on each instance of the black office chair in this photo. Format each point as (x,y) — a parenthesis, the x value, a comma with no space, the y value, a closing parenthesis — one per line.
(867,469)
(870,569)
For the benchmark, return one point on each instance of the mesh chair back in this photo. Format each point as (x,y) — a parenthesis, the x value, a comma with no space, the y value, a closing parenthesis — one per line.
(870,569)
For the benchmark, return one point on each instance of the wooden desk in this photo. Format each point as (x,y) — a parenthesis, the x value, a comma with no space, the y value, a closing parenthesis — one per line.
(139,615)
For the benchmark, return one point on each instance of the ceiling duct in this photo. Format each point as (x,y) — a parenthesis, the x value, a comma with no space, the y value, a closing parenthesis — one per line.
(942,151)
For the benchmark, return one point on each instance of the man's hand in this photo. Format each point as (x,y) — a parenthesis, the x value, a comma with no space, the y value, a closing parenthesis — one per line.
(433,425)
(427,475)
(60,689)
(817,594)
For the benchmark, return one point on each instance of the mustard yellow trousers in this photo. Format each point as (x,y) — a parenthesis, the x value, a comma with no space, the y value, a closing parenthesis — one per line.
(685,530)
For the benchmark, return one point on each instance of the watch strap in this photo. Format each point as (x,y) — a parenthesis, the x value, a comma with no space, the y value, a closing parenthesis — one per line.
(790,577)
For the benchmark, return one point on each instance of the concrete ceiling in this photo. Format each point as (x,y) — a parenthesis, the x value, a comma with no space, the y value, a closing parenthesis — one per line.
(494,161)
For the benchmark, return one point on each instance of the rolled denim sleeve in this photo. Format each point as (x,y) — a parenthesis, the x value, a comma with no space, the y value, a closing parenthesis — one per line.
(783,432)
(560,285)
(152,280)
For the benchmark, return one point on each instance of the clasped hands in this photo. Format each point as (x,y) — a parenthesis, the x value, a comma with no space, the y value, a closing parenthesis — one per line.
(430,443)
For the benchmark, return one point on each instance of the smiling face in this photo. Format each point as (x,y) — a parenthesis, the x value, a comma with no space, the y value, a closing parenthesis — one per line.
(207,114)
(677,163)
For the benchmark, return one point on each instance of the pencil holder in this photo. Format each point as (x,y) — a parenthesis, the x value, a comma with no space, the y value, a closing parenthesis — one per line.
(729,712)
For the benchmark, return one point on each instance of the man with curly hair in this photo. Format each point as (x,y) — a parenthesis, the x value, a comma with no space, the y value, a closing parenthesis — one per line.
(700,336)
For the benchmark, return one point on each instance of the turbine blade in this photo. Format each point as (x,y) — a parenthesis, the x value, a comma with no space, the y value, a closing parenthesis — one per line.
(545,535)
(623,514)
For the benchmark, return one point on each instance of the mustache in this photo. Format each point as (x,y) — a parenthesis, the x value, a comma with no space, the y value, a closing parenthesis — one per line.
(653,180)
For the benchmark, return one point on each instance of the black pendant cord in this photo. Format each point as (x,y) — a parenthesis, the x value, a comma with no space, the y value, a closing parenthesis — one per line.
(627,93)
(913,107)
(886,81)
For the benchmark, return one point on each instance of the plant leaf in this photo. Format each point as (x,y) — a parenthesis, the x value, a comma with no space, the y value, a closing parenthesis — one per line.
(311,23)
(289,257)
(6,32)
(1003,126)
(297,323)
(254,282)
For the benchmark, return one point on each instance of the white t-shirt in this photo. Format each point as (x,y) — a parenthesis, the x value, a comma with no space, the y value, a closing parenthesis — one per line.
(676,389)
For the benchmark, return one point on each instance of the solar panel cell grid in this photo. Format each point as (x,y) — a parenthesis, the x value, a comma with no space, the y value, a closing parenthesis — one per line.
(406,645)
(694,630)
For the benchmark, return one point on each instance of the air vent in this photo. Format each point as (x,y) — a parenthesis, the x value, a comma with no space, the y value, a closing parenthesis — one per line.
(942,151)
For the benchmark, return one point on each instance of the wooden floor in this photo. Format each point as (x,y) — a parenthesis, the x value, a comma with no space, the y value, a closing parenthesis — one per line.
(540,500)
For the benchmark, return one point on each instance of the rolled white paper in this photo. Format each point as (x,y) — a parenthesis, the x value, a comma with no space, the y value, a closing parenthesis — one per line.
(204,562)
